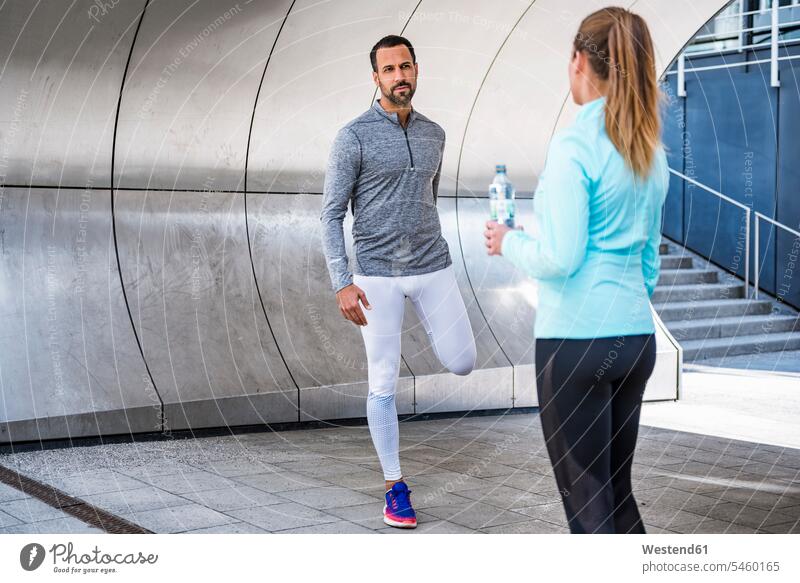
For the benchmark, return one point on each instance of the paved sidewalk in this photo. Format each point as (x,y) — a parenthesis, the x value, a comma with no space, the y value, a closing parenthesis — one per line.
(467,475)
(786,361)
(751,406)
(20,514)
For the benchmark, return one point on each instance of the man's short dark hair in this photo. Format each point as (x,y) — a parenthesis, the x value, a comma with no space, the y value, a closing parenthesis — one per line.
(387,42)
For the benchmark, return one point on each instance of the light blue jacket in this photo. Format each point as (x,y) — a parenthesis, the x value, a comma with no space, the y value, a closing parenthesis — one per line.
(596,255)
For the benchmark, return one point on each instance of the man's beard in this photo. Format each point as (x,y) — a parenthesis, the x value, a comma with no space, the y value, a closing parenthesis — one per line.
(399,100)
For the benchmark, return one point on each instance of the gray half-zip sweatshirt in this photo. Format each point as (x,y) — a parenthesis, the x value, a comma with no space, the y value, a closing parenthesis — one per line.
(390,176)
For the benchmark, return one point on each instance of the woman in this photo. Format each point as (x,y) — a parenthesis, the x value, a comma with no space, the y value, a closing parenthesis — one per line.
(596,258)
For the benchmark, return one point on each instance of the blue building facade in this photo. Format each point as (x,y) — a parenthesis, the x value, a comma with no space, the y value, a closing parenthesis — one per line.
(736,134)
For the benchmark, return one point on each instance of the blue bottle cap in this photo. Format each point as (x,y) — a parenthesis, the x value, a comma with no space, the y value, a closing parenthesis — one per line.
(500,168)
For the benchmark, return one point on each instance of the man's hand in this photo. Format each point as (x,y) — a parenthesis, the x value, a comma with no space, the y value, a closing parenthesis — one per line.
(494,234)
(348,298)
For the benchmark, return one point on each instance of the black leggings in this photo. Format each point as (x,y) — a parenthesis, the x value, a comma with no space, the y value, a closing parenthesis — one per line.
(590,395)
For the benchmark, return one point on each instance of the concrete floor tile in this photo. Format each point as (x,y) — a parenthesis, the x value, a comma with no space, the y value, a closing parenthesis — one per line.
(449,481)
(784,528)
(709,485)
(674,498)
(477,468)
(785,459)
(231,528)
(30,510)
(658,460)
(327,497)
(371,515)
(235,467)
(7,520)
(772,471)
(423,496)
(527,527)
(190,482)
(458,445)
(321,469)
(430,526)
(340,527)
(699,470)
(155,468)
(430,455)
(281,481)
(669,518)
(712,526)
(178,518)
(8,493)
(475,515)
(652,529)
(756,518)
(90,482)
(233,497)
(504,497)
(527,481)
(368,515)
(359,480)
(527,463)
(773,498)
(138,500)
(552,512)
(282,516)
(62,525)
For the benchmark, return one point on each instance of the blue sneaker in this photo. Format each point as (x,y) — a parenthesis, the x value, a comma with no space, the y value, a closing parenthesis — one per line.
(398,511)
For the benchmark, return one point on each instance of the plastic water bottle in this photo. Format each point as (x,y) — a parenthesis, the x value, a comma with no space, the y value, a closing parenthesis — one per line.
(501,197)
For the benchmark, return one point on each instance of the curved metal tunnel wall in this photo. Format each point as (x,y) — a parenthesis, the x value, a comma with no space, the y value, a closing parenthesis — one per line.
(162,164)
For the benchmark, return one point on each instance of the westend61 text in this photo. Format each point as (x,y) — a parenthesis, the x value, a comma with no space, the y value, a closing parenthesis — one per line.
(675,550)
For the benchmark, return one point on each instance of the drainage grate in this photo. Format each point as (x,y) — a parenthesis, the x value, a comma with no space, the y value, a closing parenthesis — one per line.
(76,507)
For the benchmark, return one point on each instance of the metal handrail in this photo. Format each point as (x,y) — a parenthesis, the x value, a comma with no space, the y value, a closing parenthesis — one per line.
(685,69)
(737,49)
(711,190)
(760,216)
(723,52)
(730,34)
(747,211)
(777,224)
(774,27)
(755,12)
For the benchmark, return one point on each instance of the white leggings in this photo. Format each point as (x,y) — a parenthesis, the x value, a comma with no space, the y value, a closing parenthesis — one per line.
(440,307)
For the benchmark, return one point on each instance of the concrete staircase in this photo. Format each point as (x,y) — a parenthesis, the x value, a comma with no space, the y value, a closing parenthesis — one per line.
(706,310)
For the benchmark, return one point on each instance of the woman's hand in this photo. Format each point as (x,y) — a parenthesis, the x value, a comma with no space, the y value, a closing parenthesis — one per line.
(494,234)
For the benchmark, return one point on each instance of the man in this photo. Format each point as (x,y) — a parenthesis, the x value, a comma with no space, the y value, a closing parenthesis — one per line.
(386,163)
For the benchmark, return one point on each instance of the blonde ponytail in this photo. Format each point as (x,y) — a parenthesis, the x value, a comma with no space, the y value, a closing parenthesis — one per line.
(620,51)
